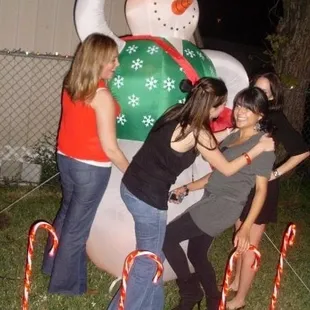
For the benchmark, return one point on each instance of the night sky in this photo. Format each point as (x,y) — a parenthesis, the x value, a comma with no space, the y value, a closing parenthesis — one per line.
(240,21)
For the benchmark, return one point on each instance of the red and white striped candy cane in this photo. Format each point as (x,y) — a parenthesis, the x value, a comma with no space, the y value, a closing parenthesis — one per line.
(288,239)
(229,271)
(31,237)
(127,266)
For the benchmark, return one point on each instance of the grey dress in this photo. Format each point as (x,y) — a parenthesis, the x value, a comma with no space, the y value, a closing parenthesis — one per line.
(225,197)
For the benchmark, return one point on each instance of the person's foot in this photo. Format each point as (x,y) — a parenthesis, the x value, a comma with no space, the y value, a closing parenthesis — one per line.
(235,304)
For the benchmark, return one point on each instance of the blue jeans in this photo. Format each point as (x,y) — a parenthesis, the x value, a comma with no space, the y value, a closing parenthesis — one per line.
(150,228)
(83,186)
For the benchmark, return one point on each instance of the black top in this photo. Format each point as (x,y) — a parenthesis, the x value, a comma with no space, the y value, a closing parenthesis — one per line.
(294,145)
(286,135)
(156,166)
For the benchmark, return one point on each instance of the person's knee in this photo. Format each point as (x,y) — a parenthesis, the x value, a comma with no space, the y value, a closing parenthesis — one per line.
(197,257)
(143,267)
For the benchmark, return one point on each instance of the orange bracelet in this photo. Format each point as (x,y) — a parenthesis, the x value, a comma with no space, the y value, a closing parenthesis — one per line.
(248,158)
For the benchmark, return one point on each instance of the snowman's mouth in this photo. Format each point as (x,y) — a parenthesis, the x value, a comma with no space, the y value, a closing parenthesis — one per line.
(191,19)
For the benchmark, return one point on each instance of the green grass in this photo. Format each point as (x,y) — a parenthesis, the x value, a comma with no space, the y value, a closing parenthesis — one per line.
(43,204)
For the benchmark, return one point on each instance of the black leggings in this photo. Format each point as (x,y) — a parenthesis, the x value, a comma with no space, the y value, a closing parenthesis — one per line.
(199,243)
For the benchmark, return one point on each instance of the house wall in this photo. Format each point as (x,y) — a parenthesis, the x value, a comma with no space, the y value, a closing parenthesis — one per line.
(46,26)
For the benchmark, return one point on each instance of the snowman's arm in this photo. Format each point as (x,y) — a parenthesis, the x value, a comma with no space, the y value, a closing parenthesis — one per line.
(89,18)
(231,71)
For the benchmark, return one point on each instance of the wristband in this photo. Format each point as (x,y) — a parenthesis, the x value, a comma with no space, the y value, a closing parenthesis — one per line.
(276,173)
(186,190)
(248,158)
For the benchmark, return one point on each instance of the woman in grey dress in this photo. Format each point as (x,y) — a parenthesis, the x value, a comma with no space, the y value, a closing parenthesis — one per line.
(297,151)
(221,204)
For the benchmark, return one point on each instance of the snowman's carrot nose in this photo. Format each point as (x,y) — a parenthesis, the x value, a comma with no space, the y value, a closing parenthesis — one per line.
(180,6)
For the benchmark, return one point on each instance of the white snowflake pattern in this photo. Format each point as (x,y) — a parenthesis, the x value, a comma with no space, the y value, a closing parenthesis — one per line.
(181,69)
(121,119)
(137,64)
(132,49)
(169,84)
(182,101)
(118,81)
(201,55)
(148,120)
(152,49)
(190,53)
(133,100)
(151,83)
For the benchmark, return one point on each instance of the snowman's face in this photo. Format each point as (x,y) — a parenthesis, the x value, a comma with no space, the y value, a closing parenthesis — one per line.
(156,17)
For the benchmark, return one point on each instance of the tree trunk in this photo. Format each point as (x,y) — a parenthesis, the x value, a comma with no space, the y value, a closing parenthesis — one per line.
(291,55)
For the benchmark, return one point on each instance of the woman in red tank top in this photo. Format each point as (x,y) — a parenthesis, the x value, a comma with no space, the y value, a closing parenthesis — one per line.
(86,148)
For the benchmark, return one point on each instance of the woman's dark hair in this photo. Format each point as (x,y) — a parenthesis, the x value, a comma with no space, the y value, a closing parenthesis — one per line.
(275,104)
(254,99)
(194,115)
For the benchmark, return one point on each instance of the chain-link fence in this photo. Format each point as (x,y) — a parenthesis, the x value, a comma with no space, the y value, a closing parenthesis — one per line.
(30,93)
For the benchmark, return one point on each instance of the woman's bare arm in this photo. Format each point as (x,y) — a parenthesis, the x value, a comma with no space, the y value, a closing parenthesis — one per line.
(104,106)
(219,162)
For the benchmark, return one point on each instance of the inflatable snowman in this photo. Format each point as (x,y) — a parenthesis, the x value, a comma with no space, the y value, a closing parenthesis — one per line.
(153,61)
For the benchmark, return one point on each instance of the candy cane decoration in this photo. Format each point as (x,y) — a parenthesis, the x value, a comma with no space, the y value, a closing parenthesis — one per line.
(229,271)
(288,239)
(127,266)
(31,237)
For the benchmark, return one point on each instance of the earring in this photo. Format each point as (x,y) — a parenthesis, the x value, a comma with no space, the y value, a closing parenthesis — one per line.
(258,126)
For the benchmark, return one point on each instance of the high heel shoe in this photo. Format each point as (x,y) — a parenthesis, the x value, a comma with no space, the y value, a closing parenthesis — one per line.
(188,305)
(190,292)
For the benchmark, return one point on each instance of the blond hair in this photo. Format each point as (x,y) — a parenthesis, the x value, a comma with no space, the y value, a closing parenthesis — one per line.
(91,56)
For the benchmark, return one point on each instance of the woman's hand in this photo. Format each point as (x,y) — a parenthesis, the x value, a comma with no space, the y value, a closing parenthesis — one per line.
(266,143)
(179,191)
(242,240)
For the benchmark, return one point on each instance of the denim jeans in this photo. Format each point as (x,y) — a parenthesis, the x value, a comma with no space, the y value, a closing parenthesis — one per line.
(150,228)
(83,186)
